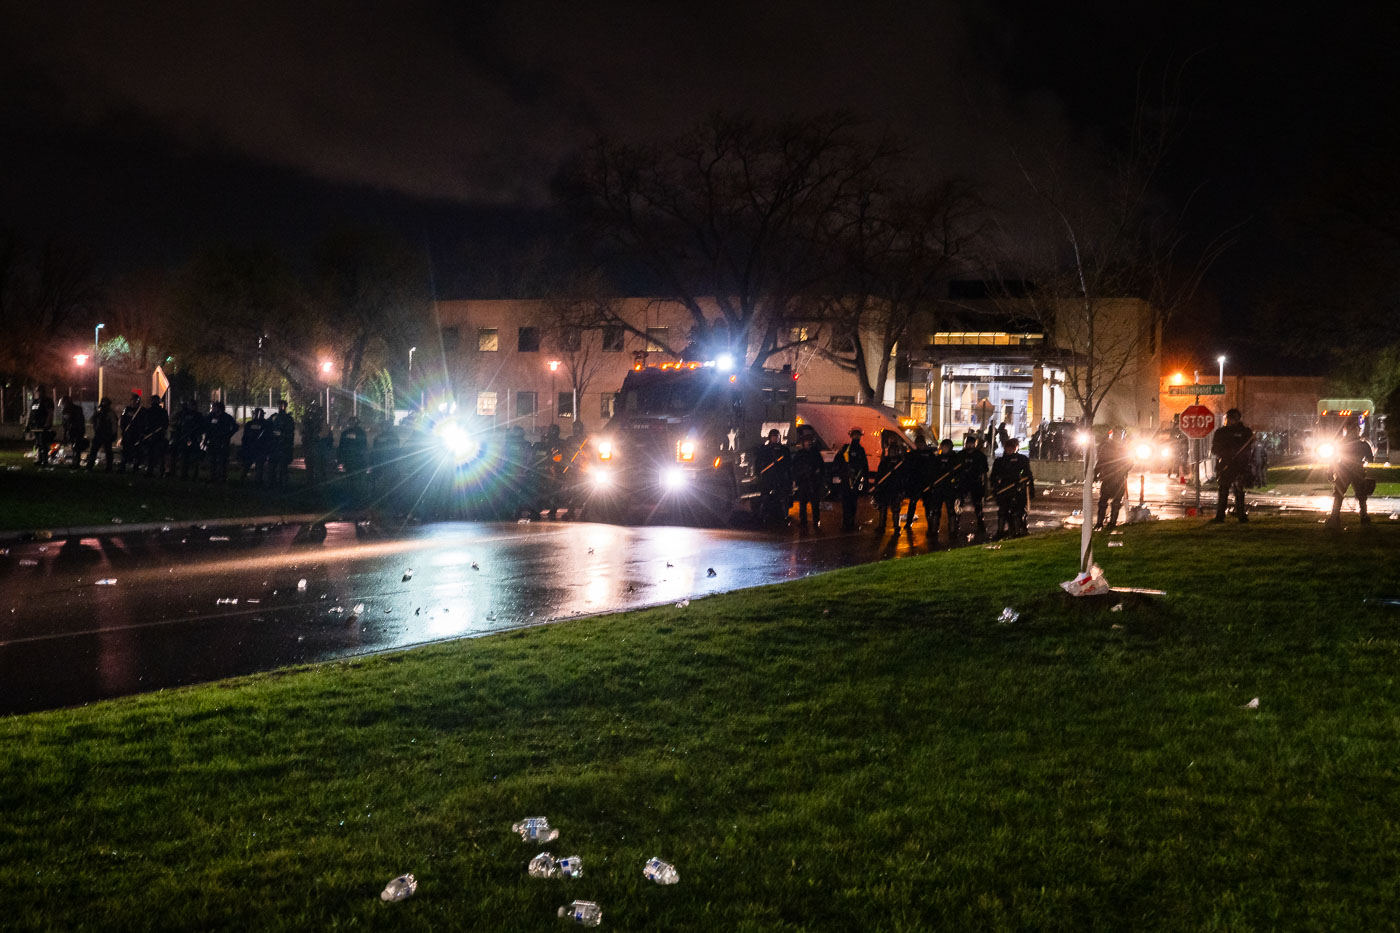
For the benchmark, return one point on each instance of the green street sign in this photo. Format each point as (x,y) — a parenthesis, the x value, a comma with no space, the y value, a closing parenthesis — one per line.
(1211,388)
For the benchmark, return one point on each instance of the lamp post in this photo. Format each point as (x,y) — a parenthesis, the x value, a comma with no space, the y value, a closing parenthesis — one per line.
(553,396)
(97,355)
(411,351)
(1221,360)
(327,368)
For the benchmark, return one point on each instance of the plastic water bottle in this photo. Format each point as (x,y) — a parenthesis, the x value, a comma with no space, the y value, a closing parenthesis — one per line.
(543,866)
(660,872)
(401,887)
(570,867)
(535,829)
(584,913)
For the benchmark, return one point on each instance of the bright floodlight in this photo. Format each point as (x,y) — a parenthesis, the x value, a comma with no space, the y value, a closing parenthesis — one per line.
(80,358)
(673,478)
(1081,437)
(1144,451)
(724,362)
(326,366)
(601,478)
(1325,451)
(458,442)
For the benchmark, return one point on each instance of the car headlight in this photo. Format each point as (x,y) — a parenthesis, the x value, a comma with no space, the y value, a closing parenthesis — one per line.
(674,478)
(1144,451)
(1081,438)
(601,477)
(605,450)
(460,445)
(1165,453)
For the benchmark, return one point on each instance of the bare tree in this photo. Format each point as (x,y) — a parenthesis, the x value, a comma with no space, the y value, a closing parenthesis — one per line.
(899,249)
(573,333)
(1095,241)
(45,289)
(739,212)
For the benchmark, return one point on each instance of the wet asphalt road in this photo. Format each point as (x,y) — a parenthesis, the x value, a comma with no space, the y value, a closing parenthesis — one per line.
(170,618)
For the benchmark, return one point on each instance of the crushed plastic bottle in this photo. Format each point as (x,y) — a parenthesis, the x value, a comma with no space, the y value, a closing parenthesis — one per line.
(401,887)
(1008,615)
(570,866)
(1117,607)
(535,829)
(226,601)
(1115,544)
(108,581)
(28,562)
(218,537)
(542,866)
(301,585)
(1252,704)
(660,872)
(711,572)
(408,575)
(358,609)
(682,604)
(584,913)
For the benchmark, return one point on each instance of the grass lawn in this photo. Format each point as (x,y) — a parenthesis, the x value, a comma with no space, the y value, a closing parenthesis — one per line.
(864,750)
(1319,474)
(63,497)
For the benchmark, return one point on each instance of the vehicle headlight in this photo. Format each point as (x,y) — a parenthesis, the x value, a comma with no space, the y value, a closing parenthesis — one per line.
(460,445)
(687,450)
(1325,451)
(1081,438)
(605,450)
(601,478)
(1166,453)
(674,478)
(1144,451)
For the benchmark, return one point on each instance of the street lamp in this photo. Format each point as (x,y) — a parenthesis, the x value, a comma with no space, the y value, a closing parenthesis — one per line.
(1221,360)
(95,347)
(410,359)
(81,358)
(327,373)
(553,396)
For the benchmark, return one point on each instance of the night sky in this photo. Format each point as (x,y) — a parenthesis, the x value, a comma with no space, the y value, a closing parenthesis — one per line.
(147,130)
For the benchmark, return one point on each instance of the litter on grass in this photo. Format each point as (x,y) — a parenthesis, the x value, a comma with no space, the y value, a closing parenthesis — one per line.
(1117,608)
(682,604)
(1008,615)
(1115,544)
(401,887)
(1252,704)
(1141,590)
(660,872)
(535,829)
(584,913)
(1089,583)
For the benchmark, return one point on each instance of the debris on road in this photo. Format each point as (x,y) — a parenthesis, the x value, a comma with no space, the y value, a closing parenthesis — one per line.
(301,584)
(711,572)
(408,575)
(108,581)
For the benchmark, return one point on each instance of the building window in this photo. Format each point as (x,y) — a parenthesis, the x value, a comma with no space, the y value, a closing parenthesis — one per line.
(486,404)
(609,406)
(529,340)
(451,339)
(526,404)
(565,405)
(657,337)
(488,339)
(612,338)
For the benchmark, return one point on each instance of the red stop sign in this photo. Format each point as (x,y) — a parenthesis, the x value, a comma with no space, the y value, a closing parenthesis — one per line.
(1197,421)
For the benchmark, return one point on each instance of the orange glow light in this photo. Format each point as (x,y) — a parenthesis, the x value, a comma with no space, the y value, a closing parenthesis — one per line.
(1178,379)
(733,378)
(717,463)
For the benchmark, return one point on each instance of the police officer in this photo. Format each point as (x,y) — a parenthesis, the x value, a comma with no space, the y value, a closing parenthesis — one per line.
(74,430)
(773,468)
(918,475)
(575,470)
(252,447)
(549,467)
(152,423)
(889,482)
(40,425)
(219,429)
(972,480)
(384,456)
(1112,467)
(311,423)
(1349,470)
(353,450)
(517,456)
(1232,449)
(188,433)
(130,434)
(281,443)
(943,490)
(1012,487)
(104,433)
(808,471)
(852,467)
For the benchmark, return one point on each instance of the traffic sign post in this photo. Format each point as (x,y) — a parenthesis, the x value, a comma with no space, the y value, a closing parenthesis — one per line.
(1198,389)
(1197,423)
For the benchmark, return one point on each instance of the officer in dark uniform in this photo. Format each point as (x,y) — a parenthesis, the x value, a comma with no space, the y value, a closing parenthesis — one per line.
(889,482)
(188,433)
(1231,448)
(353,450)
(40,425)
(1112,467)
(575,470)
(772,466)
(808,472)
(252,447)
(517,462)
(104,432)
(1349,469)
(943,490)
(153,422)
(1012,487)
(972,480)
(549,476)
(219,429)
(918,475)
(281,443)
(131,438)
(384,457)
(74,429)
(851,468)
(311,443)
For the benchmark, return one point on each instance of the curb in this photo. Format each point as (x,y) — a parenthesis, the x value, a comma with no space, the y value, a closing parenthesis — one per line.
(124,528)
